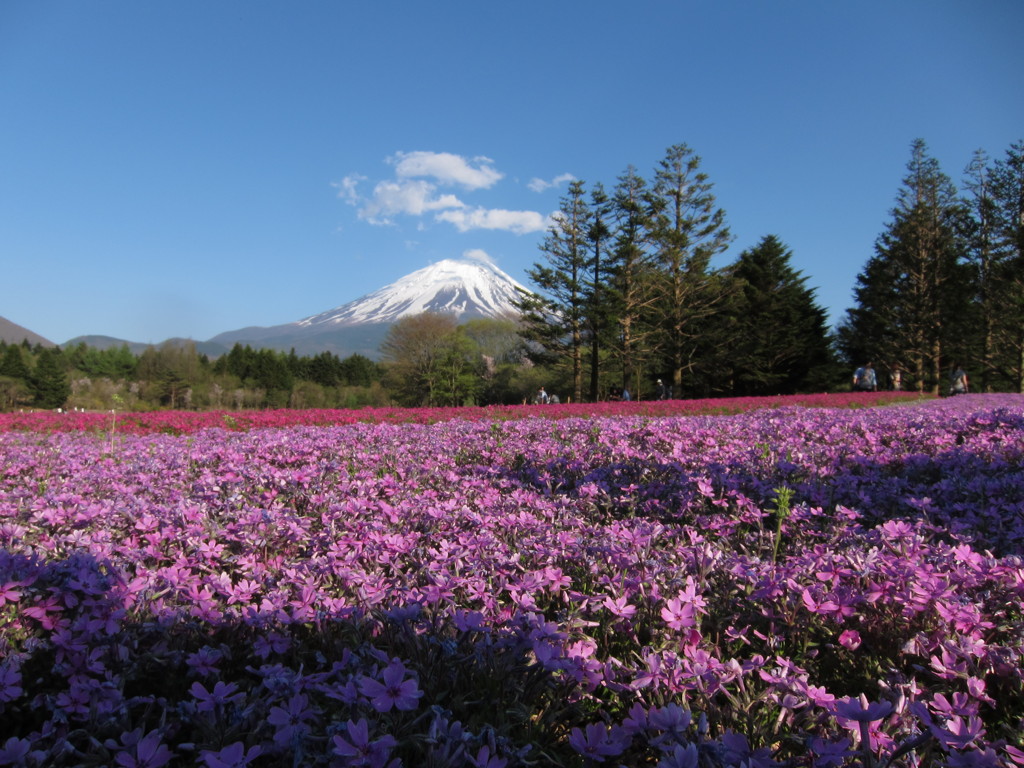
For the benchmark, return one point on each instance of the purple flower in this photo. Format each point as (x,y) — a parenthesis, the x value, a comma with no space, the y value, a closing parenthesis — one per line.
(678,615)
(484,759)
(395,692)
(830,754)
(10,683)
(222,693)
(681,757)
(290,720)
(599,742)
(861,711)
(147,751)
(232,756)
(358,747)
(14,750)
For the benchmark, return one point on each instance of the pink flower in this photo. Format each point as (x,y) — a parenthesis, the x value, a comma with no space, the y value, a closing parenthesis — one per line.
(850,639)
(619,606)
(678,615)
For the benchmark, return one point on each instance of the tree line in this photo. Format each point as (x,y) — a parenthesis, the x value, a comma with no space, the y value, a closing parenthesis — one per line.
(945,286)
(627,295)
(175,376)
(627,292)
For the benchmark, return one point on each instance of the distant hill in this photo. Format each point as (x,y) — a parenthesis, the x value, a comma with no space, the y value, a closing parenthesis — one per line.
(13,333)
(466,289)
(208,348)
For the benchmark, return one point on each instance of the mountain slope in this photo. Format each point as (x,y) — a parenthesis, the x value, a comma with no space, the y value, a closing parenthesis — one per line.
(13,333)
(467,289)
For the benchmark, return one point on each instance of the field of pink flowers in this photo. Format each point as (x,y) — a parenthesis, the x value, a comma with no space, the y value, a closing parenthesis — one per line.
(799,586)
(186,422)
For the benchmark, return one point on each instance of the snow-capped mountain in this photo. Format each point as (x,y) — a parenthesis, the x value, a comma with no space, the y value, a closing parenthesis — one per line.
(466,289)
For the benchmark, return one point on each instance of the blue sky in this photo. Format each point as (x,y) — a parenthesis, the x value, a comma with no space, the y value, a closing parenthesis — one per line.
(186,168)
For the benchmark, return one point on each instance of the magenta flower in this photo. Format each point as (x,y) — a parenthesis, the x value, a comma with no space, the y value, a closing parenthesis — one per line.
(678,615)
(619,606)
(850,639)
(960,732)
(10,592)
(395,692)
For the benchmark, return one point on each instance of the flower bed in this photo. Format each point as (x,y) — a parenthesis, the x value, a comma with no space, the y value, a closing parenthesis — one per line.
(187,422)
(795,586)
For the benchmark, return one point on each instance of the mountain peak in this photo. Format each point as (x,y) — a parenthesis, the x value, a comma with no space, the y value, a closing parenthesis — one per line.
(464,288)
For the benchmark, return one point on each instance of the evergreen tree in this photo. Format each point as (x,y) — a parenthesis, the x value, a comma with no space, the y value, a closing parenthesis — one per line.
(13,364)
(1007,192)
(911,299)
(630,295)
(14,378)
(597,283)
(780,334)
(557,318)
(358,371)
(687,230)
(982,257)
(49,384)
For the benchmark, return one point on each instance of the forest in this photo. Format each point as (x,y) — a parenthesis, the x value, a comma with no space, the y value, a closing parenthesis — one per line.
(626,299)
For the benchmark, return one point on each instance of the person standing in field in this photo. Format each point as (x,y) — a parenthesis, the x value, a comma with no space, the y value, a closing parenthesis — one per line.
(864,379)
(897,379)
(958,384)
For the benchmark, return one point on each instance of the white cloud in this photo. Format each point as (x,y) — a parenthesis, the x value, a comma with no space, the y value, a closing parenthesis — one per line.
(519,222)
(415,191)
(410,197)
(539,185)
(347,188)
(446,168)
(478,254)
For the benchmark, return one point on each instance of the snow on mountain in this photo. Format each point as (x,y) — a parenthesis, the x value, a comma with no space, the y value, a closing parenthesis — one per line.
(466,289)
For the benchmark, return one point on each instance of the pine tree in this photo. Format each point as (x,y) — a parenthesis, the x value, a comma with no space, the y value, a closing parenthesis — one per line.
(13,364)
(687,230)
(780,334)
(911,299)
(49,383)
(630,294)
(597,283)
(982,257)
(557,317)
(1007,191)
